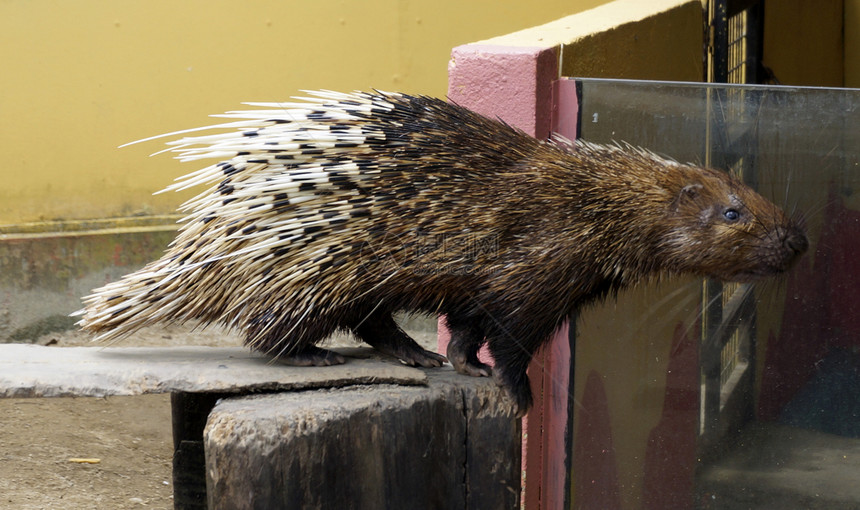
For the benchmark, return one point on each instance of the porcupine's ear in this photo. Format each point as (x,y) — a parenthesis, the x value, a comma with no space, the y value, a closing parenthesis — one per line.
(687,194)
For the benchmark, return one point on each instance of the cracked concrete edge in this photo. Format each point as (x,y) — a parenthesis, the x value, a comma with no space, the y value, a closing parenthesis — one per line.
(38,371)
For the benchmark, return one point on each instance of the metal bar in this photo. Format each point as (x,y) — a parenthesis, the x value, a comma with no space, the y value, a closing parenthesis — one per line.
(719,41)
(733,313)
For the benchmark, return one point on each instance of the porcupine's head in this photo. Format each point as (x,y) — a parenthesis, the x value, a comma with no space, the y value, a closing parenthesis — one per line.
(721,228)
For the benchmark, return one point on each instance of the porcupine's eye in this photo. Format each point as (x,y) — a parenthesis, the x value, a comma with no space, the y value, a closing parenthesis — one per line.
(731,215)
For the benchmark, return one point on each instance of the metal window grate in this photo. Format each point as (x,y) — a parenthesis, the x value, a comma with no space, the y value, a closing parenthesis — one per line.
(739,60)
(735,41)
(728,331)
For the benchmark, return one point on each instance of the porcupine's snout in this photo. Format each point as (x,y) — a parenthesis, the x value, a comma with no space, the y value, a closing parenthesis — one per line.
(786,247)
(795,243)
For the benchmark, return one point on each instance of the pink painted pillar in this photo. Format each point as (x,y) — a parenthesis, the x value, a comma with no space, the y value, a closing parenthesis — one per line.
(511,83)
(518,85)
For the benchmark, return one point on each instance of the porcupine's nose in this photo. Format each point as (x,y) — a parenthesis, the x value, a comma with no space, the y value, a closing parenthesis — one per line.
(796,242)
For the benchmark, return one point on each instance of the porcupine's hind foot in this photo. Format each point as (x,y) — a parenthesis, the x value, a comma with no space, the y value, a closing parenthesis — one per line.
(517,387)
(311,356)
(264,334)
(466,340)
(383,334)
(510,372)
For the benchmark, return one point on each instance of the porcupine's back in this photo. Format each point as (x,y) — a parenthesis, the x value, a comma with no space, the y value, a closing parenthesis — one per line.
(318,204)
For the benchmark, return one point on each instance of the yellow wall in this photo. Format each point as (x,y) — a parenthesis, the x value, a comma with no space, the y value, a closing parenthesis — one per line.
(803,42)
(80,78)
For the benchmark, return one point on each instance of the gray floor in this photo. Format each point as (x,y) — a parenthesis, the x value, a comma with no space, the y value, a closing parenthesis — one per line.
(782,467)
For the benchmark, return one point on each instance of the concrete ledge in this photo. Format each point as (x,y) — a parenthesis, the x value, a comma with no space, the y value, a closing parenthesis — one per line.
(55,228)
(602,18)
(37,371)
(630,39)
(43,274)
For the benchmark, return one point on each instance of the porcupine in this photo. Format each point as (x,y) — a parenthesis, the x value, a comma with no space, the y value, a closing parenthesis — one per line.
(334,211)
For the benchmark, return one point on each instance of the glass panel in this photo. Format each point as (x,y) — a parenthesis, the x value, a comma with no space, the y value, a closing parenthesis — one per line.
(778,377)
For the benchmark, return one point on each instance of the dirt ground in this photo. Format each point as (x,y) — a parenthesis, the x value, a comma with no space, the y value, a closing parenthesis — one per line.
(130,437)
(96,453)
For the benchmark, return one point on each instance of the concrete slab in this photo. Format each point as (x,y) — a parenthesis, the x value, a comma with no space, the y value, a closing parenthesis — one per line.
(37,371)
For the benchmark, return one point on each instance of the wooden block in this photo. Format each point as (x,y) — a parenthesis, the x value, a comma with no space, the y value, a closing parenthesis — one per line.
(452,444)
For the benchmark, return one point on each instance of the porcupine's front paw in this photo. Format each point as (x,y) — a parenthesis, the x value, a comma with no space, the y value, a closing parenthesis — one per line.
(311,356)
(413,354)
(464,358)
(384,335)
(407,350)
